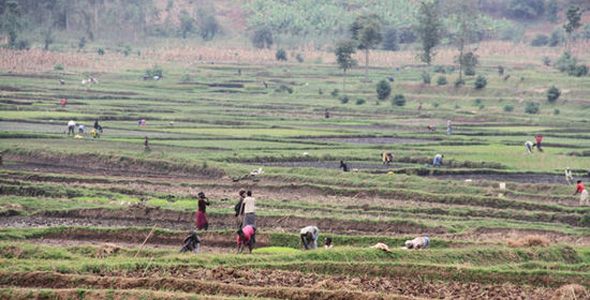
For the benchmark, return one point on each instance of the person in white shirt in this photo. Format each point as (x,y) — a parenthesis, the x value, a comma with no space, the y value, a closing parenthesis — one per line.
(249,205)
(71,127)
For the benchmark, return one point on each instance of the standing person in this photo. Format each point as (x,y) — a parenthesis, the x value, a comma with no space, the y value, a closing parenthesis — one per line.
(569,178)
(419,106)
(246,236)
(309,237)
(438,160)
(529,146)
(71,127)
(449,130)
(97,126)
(201,215)
(584,197)
(146,144)
(327,113)
(143,122)
(249,204)
(418,243)
(239,208)
(538,139)
(64,102)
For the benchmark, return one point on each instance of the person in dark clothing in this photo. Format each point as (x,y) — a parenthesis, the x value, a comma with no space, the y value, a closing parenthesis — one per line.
(201,215)
(191,243)
(327,113)
(538,139)
(344,166)
(239,209)
(146,144)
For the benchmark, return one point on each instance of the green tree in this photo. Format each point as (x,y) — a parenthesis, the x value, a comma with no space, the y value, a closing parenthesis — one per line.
(344,51)
(390,39)
(366,30)
(464,19)
(573,15)
(429,29)
(262,38)
(187,24)
(383,89)
(11,22)
(207,23)
(526,9)
(552,10)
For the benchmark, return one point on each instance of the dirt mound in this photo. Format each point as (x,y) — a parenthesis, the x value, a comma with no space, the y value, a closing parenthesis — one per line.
(529,241)
(571,292)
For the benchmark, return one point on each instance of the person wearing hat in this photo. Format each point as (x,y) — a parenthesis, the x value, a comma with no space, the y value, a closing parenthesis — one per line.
(249,205)
(201,215)
(418,243)
(239,209)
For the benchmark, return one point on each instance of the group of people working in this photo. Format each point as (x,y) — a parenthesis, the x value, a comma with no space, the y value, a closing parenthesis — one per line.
(95,132)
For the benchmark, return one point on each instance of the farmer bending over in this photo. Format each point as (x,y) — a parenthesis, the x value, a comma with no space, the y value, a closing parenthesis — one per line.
(418,243)
(246,236)
(191,243)
(309,237)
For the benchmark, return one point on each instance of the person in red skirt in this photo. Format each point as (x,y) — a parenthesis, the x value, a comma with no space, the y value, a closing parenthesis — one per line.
(201,215)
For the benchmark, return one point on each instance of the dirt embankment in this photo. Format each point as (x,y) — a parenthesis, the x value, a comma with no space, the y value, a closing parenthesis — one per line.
(279,284)
(178,220)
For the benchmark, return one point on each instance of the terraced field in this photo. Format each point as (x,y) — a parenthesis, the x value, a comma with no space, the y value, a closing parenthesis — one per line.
(86,218)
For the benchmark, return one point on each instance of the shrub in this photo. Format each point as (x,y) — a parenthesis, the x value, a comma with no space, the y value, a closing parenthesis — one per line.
(459,82)
(477,102)
(450,69)
(299,58)
(185,78)
(553,94)
(284,89)
(480,82)
(481,107)
(540,40)
(508,108)
(100,51)
(566,63)
(435,104)
(281,54)
(81,43)
(579,71)
(320,91)
(344,99)
(513,32)
(556,37)
(335,93)
(383,89)
(155,71)
(532,107)
(426,77)
(526,9)
(469,71)
(556,111)
(441,80)
(58,67)
(439,69)
(360,101)
(546,60)
(399,100)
